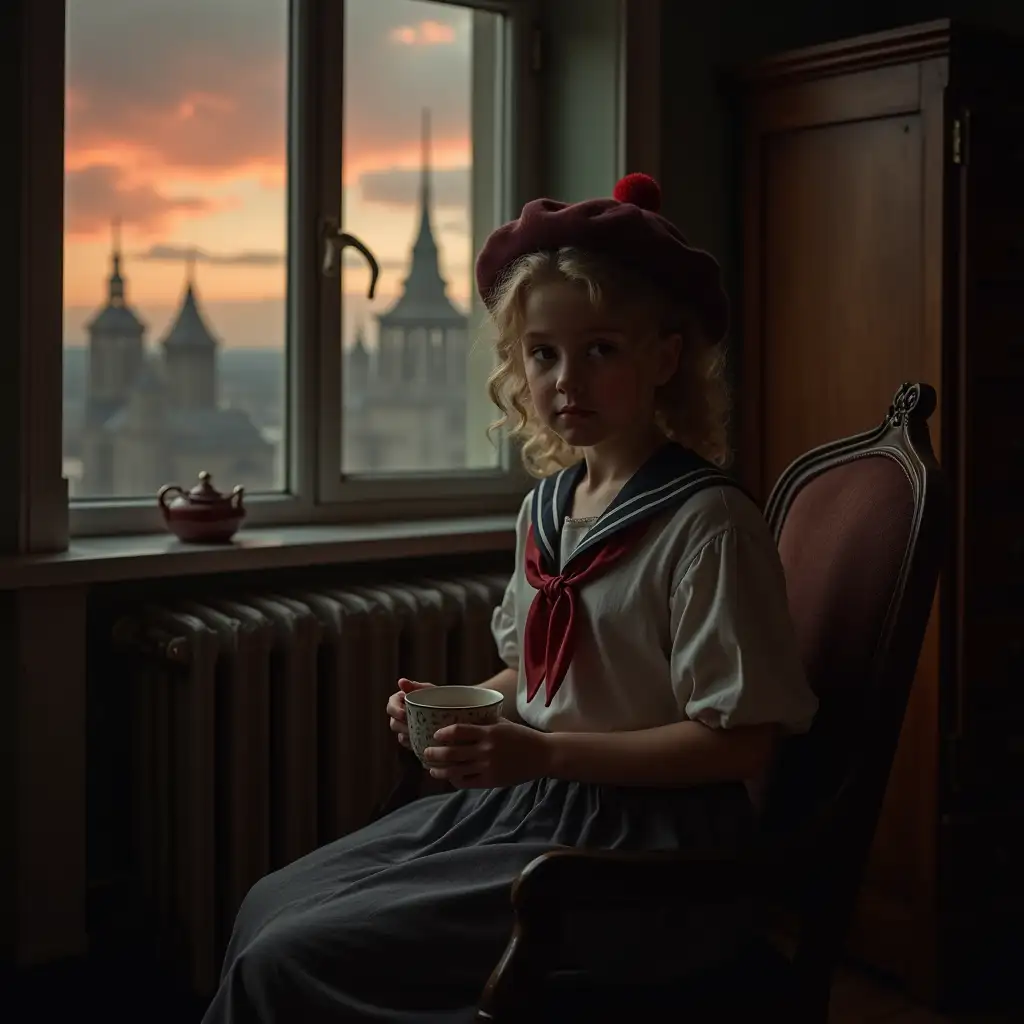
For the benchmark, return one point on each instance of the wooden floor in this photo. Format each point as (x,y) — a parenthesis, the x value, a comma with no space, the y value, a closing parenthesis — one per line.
(858,998)
(81,993)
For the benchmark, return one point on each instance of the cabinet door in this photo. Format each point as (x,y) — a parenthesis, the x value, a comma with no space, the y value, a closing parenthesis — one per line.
(835,266)
(843,300)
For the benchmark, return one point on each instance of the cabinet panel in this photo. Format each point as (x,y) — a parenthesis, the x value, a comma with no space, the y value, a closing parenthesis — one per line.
(842,280)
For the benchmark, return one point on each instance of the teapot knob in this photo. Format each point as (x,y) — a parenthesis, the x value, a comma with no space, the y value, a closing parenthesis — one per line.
(204,490)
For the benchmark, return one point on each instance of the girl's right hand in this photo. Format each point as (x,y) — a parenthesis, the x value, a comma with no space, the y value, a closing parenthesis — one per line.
(396,708)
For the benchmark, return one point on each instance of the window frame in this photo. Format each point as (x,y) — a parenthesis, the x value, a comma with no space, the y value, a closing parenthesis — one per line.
(478,490)
(315,490)
(41,490)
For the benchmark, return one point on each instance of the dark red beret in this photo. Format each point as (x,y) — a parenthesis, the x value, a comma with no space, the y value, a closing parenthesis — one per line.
(627,229)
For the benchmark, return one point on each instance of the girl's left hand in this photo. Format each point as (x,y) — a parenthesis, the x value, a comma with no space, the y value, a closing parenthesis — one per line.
(487,756)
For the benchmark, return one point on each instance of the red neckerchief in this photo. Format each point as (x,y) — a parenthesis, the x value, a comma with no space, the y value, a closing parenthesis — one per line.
(550,639)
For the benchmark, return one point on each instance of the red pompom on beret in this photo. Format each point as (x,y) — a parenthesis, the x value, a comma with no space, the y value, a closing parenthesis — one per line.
(627,229)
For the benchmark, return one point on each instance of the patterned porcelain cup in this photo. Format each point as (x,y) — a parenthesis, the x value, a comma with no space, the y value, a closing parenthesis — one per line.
(433,707)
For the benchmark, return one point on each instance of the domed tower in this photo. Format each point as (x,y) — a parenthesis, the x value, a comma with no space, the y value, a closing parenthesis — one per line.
(190,354)
(115,344)
(115,356)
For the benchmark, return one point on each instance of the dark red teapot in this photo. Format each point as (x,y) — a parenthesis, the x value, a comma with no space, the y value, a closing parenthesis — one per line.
(202,515)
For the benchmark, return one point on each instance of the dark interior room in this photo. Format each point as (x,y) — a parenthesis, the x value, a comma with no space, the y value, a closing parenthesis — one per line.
(244,433)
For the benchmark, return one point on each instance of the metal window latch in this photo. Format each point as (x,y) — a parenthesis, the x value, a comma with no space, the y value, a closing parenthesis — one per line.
(335,242)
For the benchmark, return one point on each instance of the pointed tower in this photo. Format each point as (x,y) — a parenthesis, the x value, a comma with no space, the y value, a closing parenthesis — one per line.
(190,353)
(422,336)
(425,283)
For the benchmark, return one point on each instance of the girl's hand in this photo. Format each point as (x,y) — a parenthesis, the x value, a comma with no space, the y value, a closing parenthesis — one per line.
(485,756)
(396,708)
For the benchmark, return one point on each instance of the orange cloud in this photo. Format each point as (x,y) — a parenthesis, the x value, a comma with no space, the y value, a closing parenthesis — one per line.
(213,134)
(399,186)
(96,194)
(426,33)
(361,158)
(193,125)
(207,95)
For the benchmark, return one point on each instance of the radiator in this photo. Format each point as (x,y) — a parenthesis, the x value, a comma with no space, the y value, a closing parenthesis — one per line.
(259,732)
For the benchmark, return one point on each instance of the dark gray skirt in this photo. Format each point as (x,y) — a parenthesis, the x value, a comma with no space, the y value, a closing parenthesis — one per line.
(404,920)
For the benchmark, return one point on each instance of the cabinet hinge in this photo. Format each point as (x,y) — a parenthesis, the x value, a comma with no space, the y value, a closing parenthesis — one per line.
(960,137)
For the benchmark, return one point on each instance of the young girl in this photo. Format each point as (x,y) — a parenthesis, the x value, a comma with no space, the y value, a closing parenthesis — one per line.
(651,659)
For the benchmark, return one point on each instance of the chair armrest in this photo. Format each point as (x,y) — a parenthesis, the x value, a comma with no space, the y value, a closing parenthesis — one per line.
(551,885)
(567,876)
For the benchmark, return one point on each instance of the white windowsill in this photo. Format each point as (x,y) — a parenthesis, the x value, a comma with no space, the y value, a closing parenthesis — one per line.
(151,556)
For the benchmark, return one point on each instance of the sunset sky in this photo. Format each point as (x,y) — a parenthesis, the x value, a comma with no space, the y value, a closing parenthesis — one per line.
(176,124)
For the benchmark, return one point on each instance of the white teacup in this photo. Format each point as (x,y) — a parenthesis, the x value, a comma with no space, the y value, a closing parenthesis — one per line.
(434,707)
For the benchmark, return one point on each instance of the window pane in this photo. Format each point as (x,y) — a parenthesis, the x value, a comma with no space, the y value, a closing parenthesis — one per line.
(425,99)
(175,245)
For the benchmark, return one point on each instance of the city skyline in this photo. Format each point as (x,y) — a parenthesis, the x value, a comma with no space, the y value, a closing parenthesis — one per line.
(136,413)
(186,147)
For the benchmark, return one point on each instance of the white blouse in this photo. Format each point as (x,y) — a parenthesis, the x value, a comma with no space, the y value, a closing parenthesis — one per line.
(693,624)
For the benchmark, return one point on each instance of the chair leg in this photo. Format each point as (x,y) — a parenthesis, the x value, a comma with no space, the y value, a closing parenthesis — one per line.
(511,989)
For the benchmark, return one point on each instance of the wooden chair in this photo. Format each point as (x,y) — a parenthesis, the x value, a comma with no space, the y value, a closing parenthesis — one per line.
(861,526)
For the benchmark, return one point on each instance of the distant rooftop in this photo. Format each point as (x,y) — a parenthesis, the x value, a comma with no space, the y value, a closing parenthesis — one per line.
(189,329)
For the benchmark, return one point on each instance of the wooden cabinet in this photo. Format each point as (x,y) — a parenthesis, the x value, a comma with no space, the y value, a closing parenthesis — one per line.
(884,241)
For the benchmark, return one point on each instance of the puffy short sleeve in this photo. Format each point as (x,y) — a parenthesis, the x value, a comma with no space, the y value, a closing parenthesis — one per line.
(503,621)
(734,657)
(503,627)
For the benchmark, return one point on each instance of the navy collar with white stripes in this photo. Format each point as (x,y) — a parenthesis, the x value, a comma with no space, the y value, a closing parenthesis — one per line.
(670,477)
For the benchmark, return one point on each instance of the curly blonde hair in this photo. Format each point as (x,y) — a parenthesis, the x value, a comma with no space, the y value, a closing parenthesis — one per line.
(692,408)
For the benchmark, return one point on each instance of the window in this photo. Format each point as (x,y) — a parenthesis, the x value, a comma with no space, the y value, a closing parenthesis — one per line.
(175,246)
(214,152)
(421,173)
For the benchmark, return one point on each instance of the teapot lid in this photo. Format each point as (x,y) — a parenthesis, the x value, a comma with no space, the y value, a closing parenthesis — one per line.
(204,492)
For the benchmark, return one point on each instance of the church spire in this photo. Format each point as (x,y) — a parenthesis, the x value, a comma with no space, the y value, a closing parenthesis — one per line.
(425,228)
(425,272)
(424,300)
(115,284)
(424,282)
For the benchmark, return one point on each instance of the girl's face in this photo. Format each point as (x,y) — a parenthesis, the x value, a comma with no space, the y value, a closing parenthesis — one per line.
(593,375)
